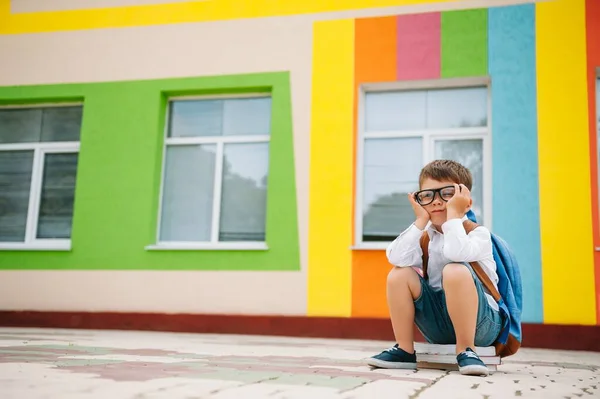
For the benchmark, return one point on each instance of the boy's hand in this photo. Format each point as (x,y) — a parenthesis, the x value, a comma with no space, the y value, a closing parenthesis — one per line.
(420,212)
(460,203)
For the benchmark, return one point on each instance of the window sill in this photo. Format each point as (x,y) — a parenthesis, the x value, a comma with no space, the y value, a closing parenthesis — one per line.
(49,245)
(370,246)
(217,246)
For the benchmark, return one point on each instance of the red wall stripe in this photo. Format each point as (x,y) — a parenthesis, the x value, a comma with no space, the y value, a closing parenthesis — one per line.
(593,56)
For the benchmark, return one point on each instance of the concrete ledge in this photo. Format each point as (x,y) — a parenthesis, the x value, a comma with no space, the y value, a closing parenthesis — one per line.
(547,336)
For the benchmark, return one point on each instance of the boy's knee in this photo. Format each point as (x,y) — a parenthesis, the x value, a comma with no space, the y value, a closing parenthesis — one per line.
(400,275)
(455,272)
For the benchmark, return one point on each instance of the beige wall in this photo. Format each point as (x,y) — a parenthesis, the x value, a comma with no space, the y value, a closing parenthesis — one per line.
(154,291)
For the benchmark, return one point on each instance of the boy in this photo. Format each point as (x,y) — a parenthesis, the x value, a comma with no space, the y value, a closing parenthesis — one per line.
(452,306)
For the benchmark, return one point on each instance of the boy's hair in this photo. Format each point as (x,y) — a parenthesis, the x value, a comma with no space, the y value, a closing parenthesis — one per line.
(445,169)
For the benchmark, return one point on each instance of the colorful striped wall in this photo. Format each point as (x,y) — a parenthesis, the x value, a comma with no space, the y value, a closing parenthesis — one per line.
(541,58)
(528,124)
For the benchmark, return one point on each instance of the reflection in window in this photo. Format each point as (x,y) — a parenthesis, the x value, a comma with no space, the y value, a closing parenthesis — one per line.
(188,193)
(16,168)
(215,171)
(35,208)
(391,171)
(58,196)
(425,109)
(243,203)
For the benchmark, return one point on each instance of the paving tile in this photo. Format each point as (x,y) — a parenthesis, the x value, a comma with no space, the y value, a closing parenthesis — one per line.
(125,358)
(302,379)
(84,362)
(244,376)
(384,389)
(278,391)
(46,363)
(345,383)
(340,383)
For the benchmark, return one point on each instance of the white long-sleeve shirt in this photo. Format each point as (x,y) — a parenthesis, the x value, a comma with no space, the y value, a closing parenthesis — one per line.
(454,245)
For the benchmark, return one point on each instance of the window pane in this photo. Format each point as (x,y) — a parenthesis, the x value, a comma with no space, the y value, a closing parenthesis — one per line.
(470,154)
(15,182)
(61,124)
(244,198)
(464,107)
(191,118)
(187,201)
(391,171)
(401,110)
(20,125)
(58,194)
(247,116)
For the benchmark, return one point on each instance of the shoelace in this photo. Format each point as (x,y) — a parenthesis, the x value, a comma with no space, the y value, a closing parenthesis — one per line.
(471,354)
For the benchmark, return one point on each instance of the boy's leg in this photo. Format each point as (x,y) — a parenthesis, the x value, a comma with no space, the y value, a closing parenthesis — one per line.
(462,303)
(474,321)
(403,288)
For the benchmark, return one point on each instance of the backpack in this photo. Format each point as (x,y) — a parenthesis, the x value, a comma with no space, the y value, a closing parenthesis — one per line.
(509,295)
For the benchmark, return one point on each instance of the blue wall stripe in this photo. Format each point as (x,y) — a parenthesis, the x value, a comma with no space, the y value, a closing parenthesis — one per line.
(512,67)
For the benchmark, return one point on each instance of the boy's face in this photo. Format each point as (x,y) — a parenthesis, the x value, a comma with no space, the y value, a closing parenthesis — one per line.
(435,202)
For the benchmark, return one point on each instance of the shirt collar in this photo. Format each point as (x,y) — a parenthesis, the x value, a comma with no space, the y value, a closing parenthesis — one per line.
(429,226)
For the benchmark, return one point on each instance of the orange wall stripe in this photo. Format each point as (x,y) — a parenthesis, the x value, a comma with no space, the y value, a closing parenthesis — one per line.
(593,57)
(375,61)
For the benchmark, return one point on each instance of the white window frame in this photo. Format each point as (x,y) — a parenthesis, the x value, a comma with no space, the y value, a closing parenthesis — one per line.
(429,137)
(40,149)
(219,141)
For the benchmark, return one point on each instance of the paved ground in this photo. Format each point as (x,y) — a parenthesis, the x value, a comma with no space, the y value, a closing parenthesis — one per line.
(67,364)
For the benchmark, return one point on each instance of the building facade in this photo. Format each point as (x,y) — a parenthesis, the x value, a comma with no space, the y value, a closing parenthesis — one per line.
(169,156)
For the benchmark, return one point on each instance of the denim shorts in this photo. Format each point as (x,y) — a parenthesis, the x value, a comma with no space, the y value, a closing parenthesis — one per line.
(433,320)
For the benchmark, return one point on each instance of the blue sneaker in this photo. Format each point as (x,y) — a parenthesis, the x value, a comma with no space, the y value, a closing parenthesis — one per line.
(394,358)
(470,364)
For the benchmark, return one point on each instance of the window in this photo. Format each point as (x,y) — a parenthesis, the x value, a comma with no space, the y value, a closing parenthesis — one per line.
(214,189)
(38,166)
(401,131)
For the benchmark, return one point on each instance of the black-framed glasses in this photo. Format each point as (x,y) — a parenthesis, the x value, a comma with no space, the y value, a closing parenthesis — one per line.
(426,197)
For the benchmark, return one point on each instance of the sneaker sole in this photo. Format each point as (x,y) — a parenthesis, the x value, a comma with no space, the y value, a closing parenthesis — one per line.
(474,370)
(391,365)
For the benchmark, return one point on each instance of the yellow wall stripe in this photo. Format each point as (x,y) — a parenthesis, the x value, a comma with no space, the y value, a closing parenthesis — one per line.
(564,165)
(331,150)
(172,13)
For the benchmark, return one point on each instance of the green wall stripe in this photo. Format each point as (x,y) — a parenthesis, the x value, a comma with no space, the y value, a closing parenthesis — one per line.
(119,177)
(464,43)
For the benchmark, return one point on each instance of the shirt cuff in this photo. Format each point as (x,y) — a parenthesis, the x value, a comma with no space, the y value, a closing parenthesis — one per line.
(453,225)
(412,232)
